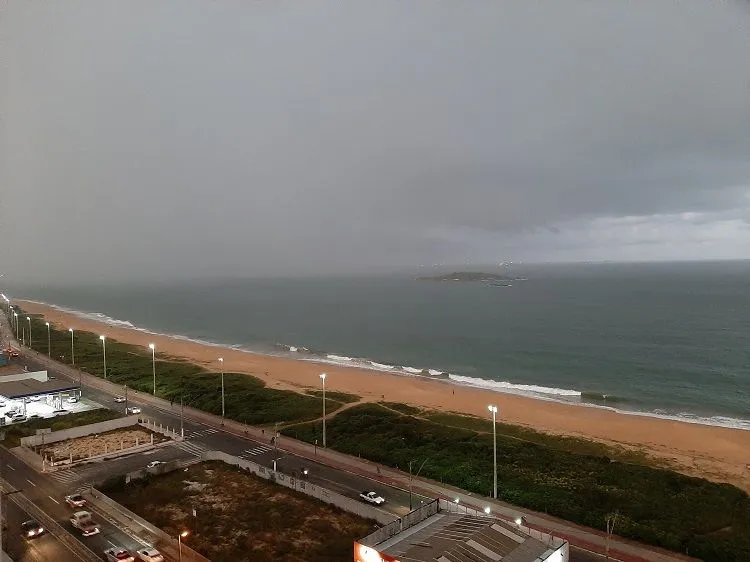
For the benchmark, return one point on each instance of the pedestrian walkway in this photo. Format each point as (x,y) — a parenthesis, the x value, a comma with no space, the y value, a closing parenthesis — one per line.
(200,433)
(64,476)
(259,450)
(195,449)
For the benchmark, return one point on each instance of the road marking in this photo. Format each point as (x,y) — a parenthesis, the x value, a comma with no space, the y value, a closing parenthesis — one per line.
(53,499)
(30,482)
(10,467)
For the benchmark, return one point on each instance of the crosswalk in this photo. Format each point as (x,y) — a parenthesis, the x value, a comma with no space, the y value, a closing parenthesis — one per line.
(69,478)
(258,450)
(200,433)
(193,448)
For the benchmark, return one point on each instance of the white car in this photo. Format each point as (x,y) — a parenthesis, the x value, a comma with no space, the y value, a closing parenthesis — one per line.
(118,555)
(149,555)
(17,418)
(75,500)
(119,398)
(134,410)
(372,497)
(72,399)
(154,464)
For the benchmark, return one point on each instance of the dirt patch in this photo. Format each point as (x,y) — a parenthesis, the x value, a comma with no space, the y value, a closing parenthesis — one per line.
(100,443)
(243,517)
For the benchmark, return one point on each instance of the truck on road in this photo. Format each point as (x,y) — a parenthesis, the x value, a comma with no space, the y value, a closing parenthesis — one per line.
(82,521)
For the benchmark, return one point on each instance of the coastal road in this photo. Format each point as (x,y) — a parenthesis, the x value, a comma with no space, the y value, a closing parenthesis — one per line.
(43,498)
(210,436)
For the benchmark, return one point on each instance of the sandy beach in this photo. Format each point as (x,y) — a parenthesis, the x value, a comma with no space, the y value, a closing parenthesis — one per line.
(716,453)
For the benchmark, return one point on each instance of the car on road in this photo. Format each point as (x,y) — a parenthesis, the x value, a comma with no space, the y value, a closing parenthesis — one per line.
(372,497)
(82,520)
(75,500)
(149,555)
(134,410)
(31,529)
(118,554)
(119,398)
(154,464)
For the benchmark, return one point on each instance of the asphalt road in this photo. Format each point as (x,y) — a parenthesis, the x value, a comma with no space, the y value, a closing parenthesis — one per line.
(199,438)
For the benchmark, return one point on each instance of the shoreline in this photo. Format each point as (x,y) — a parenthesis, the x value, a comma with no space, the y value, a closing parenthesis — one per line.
(322,358)
(718,453)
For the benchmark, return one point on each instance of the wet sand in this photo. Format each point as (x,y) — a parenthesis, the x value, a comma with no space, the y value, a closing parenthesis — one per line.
(716,453)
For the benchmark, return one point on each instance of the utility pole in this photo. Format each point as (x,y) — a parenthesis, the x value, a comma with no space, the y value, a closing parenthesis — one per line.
(182,417)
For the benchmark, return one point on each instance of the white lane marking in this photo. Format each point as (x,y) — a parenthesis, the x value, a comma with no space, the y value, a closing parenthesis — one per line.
(53,499)
(10,467)
(30,482)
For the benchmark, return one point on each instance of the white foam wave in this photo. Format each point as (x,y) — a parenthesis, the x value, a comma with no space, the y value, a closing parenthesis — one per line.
(435,372)
(381,365)
(338,357)
(412,370)
(504,386)
(94,316)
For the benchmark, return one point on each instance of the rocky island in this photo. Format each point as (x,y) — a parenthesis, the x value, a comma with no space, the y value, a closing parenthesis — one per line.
(469,277)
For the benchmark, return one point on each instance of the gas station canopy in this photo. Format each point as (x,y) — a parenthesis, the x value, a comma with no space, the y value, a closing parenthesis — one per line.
(25,388)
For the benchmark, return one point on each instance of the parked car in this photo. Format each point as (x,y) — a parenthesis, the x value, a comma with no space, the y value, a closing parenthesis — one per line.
(18,418)
(82,520)
(154,464)
(372,497)
(134,410)
(75,500)
(119,398)
(72,399)
(118,554)
(2,404)
(149,555)
(31,529)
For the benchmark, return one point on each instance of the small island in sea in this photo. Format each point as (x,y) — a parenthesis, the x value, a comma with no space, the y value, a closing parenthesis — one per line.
(469,277)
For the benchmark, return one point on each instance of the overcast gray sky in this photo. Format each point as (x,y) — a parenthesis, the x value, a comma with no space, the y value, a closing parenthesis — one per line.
(192,137)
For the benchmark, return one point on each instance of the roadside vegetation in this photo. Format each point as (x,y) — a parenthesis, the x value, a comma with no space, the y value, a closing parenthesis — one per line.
(247,398)
(243,517)
(16,431)
(655,506)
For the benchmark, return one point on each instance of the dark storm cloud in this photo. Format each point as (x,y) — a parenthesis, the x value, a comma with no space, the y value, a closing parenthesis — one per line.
(182,138)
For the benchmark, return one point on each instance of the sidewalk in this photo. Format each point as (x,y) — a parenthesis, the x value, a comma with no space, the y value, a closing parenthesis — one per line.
(586,538)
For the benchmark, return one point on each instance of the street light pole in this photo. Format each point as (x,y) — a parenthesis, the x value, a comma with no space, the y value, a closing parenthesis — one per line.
(153,363)
(104,351)
(493,409)
(221,360)
(72,347)
(15,315)
(29,319)
(49,341)
(323,378)
(182,535)
(410,479)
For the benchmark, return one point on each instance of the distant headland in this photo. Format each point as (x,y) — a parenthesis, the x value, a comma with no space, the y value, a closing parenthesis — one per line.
(469,277)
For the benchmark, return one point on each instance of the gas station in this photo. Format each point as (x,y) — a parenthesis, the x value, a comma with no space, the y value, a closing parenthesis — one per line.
(35,394)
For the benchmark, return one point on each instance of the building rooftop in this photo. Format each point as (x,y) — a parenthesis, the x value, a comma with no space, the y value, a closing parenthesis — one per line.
(449,537)
(33,387)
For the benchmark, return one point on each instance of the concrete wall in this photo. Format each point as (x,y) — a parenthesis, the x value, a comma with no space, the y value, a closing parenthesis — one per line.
(73,432)
(38,375)
(409,520)
(347,504)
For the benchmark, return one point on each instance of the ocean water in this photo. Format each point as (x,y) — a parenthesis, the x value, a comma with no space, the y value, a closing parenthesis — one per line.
(668,340)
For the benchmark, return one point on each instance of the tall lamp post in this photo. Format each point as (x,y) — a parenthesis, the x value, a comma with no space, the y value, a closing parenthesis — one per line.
(29,320)
(323,379)
(181,536)
(493,409)
(152,347)
(221,361)
(415,476)
(15,315)
(49,340)
(104,351)
(72,347)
